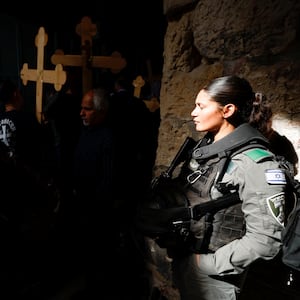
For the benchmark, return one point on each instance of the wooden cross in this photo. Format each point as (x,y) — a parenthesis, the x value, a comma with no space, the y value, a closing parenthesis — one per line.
(86,60)
(138,83)
(57,77)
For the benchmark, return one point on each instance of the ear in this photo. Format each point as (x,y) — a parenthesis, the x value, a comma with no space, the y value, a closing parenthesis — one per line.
(229,110)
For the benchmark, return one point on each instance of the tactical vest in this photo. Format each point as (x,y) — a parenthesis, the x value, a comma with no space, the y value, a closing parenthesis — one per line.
(181,212)
(199,179)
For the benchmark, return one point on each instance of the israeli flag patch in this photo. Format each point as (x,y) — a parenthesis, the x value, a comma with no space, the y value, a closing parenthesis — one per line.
(276,206)
(275,176)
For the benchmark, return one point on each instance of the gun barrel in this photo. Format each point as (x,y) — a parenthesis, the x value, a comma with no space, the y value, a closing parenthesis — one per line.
(181,155)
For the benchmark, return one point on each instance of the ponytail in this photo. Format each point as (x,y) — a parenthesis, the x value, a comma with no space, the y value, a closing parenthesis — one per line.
(261,115)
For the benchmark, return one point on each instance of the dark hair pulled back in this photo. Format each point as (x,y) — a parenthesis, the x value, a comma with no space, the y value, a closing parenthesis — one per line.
(234,90)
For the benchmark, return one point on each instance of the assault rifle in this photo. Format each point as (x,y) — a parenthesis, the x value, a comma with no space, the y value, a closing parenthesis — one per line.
(168,213)
(180,157)
(163,220)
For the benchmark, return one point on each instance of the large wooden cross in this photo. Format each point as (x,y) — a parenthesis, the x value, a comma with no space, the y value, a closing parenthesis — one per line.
(57,77)
(86,60)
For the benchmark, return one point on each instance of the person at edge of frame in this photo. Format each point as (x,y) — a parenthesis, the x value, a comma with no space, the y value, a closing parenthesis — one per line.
(263,121)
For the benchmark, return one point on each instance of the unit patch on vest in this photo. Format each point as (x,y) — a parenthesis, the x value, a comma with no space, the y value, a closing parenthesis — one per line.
(276,206)
(275,176)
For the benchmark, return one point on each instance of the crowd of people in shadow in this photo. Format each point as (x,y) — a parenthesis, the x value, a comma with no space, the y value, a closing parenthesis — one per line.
(95,152)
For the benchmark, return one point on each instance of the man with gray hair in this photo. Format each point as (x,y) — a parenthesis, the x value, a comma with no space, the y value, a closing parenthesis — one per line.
(93,178)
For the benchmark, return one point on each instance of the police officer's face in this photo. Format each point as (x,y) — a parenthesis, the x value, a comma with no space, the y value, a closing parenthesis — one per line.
(208,115)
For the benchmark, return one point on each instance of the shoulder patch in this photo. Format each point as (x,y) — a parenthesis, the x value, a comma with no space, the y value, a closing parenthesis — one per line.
(275,176)
(257,154)
(276,206)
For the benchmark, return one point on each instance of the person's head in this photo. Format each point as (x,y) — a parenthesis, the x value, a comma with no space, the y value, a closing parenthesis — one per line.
(121,84)
(10,96)
(94,107)
(222,105)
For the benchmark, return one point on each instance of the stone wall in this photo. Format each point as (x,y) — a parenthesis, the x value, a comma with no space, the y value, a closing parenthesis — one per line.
(258,40)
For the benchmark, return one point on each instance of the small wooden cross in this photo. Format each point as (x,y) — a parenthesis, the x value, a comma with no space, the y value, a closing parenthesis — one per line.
(86,60)
(138,83)
(57,77)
